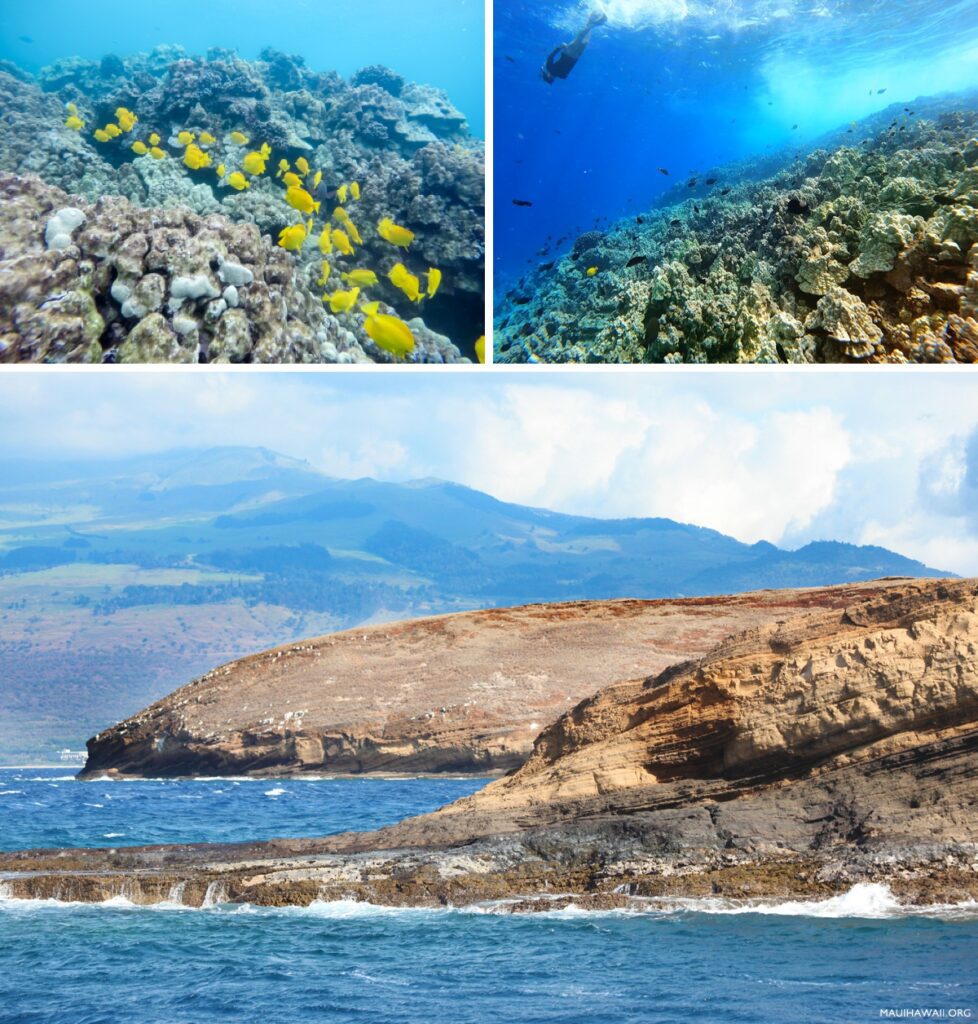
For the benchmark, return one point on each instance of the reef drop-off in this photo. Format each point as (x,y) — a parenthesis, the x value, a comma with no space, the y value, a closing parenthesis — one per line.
(112,286)
(863,250)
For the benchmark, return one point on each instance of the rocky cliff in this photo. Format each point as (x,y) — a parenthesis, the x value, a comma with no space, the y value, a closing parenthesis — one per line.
(793,760)
(467,692)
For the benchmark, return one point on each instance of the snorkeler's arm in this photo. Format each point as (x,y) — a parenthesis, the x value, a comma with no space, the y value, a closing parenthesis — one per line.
(552,59)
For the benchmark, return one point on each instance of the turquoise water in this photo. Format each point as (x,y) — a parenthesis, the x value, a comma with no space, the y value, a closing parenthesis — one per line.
(426,41)
(689,86)
(834,963)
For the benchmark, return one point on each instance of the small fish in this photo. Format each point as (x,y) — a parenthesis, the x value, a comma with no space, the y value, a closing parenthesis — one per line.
(402,278)
(341,240)
(266,150)
(283,168)
(794,127)
(195,158)
(299,199)
(324,275)
(318,179)
(675,223)
(390,333)
(113,131)
(710,181)
(879,92)
(510,59)
(355,190)
(635,261)
(664,170)
(326,241)
(292,180)
(25,39)
(341,193)
(186,138)
(364,278)
(522,202)
(238,181)
(140,148)
(591,271)
(126,118)
(239,138)
(351,229)
(72,109)
(725,191)
(157,154)
(154,139)
(302,165)
(434,281)
(220,170)
(293,237)
(341,301)
(480,349)
(207,139)
(101,135)
(74,123)
(253,163)
(639,220)
(394,233)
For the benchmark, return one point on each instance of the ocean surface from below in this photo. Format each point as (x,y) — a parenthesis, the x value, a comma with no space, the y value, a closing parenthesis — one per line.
(839,960)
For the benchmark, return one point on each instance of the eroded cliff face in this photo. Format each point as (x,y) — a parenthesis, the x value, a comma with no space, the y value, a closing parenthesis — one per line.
(790,762)
(456,693)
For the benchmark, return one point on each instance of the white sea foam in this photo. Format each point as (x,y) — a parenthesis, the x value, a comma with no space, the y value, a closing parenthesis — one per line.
(278,791)
(10,792)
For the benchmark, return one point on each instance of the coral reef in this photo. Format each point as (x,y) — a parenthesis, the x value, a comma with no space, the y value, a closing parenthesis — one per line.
(405,144)
(865,250)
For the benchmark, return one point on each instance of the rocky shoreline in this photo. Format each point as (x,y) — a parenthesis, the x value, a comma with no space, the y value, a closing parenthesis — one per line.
(792,762)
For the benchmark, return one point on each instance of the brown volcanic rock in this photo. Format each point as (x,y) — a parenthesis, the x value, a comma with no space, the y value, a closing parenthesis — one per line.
(792,761)
(466,692)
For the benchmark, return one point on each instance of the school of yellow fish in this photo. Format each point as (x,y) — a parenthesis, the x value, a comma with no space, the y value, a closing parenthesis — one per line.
(388,332)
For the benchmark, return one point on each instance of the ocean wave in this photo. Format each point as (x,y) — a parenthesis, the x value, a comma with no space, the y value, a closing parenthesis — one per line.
(10,792)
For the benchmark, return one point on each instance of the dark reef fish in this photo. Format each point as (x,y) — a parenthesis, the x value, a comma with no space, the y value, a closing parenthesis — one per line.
(635,261)
(664,170)
(25,39)
(522,202)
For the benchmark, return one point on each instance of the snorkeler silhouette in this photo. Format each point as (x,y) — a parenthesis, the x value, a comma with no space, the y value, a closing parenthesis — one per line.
(561,62)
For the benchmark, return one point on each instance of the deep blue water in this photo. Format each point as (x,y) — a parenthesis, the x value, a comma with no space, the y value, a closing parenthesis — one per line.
(832,963)
(687,85)
(427,41)
(48,807)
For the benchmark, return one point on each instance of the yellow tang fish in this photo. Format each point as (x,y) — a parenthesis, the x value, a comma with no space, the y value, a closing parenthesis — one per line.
(113,131)
(207,139)
(254,163)
(195,158)
(292,180)
(74,123)
(480,349)
(325,241)
(185,138)
(355,190)
(140,148)
(283,167)
(324,276)
(238,181)
(220,170)
(390,334)
(340,301)
(364,278)
(370,308)
(402,278)
(126,118)
(591,271)
(157,154)
(72,109)
(342,242)
(101,135)
(351,229)
(154,139)
(341,194)
(293,237)
(299,199)
(395,234)
(266,150)
(239,138)
(302,165)
(434,281)
(318,180)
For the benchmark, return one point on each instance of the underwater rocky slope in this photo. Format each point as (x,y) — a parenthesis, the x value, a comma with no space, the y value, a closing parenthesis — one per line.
(792,761)
(865,250)
(121,249)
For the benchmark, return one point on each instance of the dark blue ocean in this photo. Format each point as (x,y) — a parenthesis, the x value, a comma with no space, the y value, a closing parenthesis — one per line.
(688,86)
(838,962)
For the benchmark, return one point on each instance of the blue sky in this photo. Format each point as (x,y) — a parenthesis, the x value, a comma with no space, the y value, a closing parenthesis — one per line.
(879,457)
